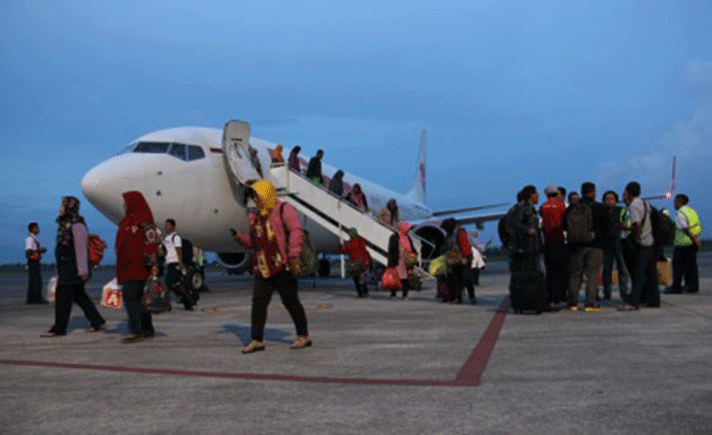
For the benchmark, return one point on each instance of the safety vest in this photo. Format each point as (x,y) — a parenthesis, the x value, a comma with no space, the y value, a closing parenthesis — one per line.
(624,219)
(693,220)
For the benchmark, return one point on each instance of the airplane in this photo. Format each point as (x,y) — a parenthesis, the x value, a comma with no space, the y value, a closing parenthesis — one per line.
(185,174)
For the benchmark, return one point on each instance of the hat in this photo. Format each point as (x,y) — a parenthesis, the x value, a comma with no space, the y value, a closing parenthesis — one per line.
(551,189)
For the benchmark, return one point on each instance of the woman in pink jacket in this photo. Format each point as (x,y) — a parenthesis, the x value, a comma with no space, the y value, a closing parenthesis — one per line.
(276,237)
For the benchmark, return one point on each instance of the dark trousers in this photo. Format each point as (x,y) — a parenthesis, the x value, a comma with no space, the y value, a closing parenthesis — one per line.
(286,285)
(173,277)
(34,284)
(684,263)
(139,319)
(556,260)
(65,295)
(361,289)
(644,277)
(470,278)
(610,254)
(455,281)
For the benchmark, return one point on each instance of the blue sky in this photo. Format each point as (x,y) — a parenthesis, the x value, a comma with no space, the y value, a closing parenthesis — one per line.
(510,92)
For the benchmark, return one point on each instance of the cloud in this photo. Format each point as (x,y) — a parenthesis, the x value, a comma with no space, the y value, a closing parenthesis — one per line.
(688,139)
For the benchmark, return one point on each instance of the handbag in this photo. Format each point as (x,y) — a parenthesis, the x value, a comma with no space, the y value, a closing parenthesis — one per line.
(155,297)
(390,279)
(111,295)
(353,268)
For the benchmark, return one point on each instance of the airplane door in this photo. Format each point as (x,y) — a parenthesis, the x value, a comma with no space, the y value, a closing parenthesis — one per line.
(236,151)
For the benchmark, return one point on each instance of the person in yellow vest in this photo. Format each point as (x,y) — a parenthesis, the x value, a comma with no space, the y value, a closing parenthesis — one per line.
(687,243)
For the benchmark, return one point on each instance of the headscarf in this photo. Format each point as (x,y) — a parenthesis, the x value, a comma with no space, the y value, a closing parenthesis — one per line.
(69,216)
(357,196)
(353,232)
(403,240)
(277,154)
(266,196)
(336,184)
(137,210)
(449,225)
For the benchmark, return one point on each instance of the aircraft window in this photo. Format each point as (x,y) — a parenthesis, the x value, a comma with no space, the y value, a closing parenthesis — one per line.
(151,147)
(195,152)
(128,149)
(178,150)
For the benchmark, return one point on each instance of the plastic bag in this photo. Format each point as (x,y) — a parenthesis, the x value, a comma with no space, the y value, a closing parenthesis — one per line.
(438,266)
(390,280)
(50,290)
(111,295)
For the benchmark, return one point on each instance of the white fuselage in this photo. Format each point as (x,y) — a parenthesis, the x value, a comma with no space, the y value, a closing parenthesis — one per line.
(199,193)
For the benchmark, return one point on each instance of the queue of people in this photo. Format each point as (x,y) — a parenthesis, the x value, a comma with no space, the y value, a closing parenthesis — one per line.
(586,237)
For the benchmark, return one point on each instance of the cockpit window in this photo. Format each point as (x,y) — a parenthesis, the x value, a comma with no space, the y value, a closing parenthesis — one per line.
(128,149)
(178,150)
(151,147)
(195,152)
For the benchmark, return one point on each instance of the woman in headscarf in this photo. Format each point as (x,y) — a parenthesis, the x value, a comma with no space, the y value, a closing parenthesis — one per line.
(357,198)
(136,249)
(401,255)
(356,248)
(336,185)
(276,237)
(389,214)
(458,256)
(71,254)
(276,154)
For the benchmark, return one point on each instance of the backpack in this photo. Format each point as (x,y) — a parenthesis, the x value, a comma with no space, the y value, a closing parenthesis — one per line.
(186,250)
(95,248)
(505,227)
(579,223)
(663,227)
(151,242)
(308,257)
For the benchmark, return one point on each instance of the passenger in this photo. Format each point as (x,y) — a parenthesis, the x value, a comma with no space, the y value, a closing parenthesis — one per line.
(356,248)
(135,256)
(588,232)
(173,245)
(562,193)
(556,255)
(71,254)
(614,249)
(336,185)
(402,256)
(255,159)
(458,257)
(277,263)
(314,168)
(479,258)
(573,197)
(643,271)
(33,252)
(357,198)
(687,243)
(389,214)
(276,154)
(526,232)
(293,160)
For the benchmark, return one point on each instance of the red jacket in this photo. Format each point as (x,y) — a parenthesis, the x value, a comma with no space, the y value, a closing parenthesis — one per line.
(464,241)
(552,214)
(131,239)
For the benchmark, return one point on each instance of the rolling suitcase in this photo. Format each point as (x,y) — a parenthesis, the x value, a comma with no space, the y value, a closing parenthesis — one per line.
(527,292)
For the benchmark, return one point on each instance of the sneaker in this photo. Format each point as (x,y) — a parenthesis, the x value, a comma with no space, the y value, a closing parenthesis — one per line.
(572,306)
(301,342)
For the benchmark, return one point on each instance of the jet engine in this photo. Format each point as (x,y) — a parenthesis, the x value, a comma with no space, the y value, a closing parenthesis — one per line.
(233,260)
(433,235)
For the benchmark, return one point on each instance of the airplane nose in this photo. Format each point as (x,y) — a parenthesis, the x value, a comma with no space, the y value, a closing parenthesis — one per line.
(101,186)
(90,185)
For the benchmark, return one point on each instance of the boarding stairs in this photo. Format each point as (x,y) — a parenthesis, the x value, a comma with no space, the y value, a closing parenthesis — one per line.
(337,215)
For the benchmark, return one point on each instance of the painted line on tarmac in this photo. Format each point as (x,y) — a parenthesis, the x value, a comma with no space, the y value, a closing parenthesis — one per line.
(470,375)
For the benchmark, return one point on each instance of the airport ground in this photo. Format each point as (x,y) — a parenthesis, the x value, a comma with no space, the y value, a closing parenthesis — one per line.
(378,365)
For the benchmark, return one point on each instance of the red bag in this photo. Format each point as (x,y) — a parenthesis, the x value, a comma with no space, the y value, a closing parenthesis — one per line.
(391,280)
(96,249)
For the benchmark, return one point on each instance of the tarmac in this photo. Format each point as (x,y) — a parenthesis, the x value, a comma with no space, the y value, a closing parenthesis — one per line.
(378,365)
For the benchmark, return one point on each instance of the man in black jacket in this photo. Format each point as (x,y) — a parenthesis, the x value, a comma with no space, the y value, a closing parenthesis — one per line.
(588,233)
(314,168)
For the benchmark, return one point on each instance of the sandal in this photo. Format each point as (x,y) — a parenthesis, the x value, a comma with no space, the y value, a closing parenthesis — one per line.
(301,342)
(254,346)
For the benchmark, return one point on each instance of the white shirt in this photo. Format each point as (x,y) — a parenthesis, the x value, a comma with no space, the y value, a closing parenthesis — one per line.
(171,242)
(640,212)
(31,243)
(682,221)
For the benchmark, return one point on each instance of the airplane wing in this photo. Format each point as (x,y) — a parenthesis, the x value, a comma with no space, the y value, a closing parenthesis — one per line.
(463,210)
(480,219)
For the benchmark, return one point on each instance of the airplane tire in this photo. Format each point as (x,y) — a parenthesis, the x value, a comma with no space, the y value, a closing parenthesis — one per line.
(194,282)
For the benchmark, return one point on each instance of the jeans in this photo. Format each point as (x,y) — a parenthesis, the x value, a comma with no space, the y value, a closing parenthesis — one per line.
(609,255)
